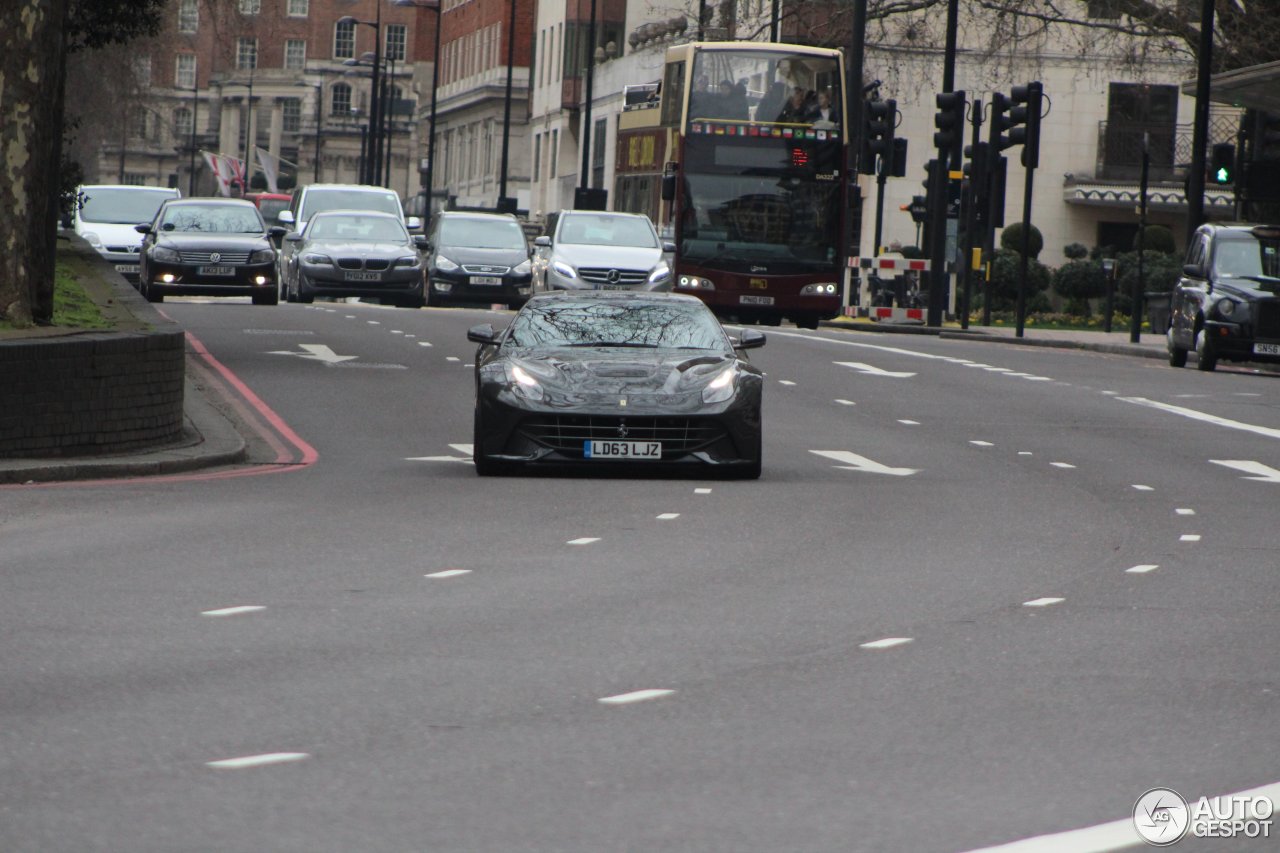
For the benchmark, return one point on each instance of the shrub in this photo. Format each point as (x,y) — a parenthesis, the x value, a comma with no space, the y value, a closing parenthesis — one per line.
(1076,251)
(1077,282)
(1011,239)
(1157,239)
(1160,272)
(1003,285)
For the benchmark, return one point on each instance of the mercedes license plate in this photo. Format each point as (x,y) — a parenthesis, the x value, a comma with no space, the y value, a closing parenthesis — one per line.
(1266,349)
(126,268)
(622,450)
(615,287)
(363,276)
(755,300)
(486,279)
(217,270)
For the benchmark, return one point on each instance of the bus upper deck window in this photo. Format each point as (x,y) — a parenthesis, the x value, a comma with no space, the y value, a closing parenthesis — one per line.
(673,94)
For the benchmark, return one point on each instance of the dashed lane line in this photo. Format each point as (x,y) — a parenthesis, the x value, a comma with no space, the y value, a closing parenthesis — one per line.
(256,760)
(234,611)
(448,573)
(886,643)
(1142,569)
(1042,602)
(635,696)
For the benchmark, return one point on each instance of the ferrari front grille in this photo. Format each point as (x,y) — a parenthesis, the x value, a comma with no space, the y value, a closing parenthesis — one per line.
(569,433)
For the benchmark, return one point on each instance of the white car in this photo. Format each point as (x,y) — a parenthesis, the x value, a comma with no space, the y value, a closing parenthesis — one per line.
(107,215)
(599,250)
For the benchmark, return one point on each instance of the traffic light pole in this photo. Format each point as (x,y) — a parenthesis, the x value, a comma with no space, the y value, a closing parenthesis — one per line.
(969,203)
(1025,251)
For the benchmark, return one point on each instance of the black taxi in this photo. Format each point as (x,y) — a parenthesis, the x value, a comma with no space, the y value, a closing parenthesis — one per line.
(1226,305)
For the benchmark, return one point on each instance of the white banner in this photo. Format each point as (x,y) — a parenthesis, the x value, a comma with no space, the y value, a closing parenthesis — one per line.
(270,169)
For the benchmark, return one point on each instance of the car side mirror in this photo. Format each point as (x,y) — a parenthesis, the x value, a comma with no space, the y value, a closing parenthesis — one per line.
(142,229)
(275,232)
(413,223)
(482,334)
(421,242)
(293,237)
(543,242)
(285,217)
(668,187)
(668,246)
(1192,270)
(750,339)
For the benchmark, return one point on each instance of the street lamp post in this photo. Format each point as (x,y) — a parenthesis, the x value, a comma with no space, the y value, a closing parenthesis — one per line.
(195,110)
(507,205)
(248,125)
(434,5)
(319,87)
(371,169)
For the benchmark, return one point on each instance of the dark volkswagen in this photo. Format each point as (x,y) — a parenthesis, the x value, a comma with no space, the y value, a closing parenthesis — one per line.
(1227,303)
(477,257)
(616,379)
(208,247)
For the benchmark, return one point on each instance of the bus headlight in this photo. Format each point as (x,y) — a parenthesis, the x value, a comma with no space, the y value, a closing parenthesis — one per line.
(693,282)
(824,289)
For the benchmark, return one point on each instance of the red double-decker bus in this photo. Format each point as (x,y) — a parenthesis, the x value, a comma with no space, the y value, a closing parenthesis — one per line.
(756,176)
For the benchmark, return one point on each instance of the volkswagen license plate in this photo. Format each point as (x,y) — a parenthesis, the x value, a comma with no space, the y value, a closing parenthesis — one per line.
(126,268)
(363,276)
(622,450)
(217,270)
(486,279)
(1266,349)
(755,300)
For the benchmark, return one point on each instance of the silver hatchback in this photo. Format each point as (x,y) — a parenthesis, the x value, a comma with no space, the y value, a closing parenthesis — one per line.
(598,250)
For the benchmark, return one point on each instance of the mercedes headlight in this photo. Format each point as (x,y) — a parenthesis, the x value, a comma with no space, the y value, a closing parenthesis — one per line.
(721,388)
(165,256)
(316,258)
(563,269)
(523,268)
(661,272)
(444,264)
(263,256)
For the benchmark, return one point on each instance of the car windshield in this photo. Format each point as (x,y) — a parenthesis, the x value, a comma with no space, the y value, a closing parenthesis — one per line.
(655,323)
(604,230)
(121,206)
(1246,257)
(212,219)
(316,201)
(357,228)
(271,207)
(482,234)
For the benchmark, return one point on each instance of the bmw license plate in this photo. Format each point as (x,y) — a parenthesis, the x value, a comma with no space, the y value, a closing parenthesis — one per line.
(1266,349)
(126,268)
(755,300)
(622,450)
(217,270)
(486,279)
(363,276)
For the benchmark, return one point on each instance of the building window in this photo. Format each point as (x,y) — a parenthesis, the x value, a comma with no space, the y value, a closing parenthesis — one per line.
(142,70)
(188,16)
(340,100)
(299,8)
(250,7)
(554,151)
(246,53)
(344,40)
(138,123)
(292,114)
(396,36)
(182,126)
(597,153)
(184,70)
(295,53)
(537,156)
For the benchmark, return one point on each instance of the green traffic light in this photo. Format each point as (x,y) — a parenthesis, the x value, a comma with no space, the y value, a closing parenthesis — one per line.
(1223,175)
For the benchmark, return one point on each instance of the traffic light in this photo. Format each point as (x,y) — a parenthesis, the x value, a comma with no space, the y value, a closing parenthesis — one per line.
(977,176)
(1222,163)
(878,118)
(1026,102)
(899,167)
(1266,144)
(949,120)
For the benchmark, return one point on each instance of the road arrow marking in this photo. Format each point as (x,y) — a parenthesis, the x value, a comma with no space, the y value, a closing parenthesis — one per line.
(316,352)
(873,371)
(466,449)
(1262,473)
(854,462)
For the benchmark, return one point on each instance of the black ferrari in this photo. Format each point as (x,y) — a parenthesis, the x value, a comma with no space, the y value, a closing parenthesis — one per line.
(606,379)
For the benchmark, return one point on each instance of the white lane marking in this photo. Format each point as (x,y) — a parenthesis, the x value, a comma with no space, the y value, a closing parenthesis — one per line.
(977,364)
(846,402)
(1262,473)
(886,643)
(1110,393)
(1143,488)
(1042,602)
(1189,537)
(785,382)
(1020,375)
(1142,570)
(1106,837)
(424,343)
(982,444)
(1185,511)
(349,316)
(256,760)
(1204,417)
(702,491)
(634,696)
(468,449)
(468,365)
(585,540)
(396,332)
(437,459)
(1025,453)
(448,573)
(1039,378)
(998,369)
(410,336)
(854,462)
(233,611)
(1062,465)
(1245,394)
(667,516)
(874,371)
(909,423)
(316,352)
(374,322)
(451,358)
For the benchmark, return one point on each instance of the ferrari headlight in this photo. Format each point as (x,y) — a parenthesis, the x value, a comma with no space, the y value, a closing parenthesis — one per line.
(165,256)
(316,258)
(721,388)
(564,270)
(263,256)
(523,268)
(524,384)
(409,261)
(444,264)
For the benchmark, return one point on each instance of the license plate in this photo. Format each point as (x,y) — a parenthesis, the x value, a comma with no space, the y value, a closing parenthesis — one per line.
(217,270)
(363,276)
(755,300)
(622,450)
(486,279)
(126,268)
(615,287)
(1266,349)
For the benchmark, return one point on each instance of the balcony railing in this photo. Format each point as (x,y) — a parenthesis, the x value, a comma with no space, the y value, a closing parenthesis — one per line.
(1169,147)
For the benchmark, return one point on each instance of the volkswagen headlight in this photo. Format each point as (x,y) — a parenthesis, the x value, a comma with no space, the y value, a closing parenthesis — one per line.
(263,256)
(316,258)
(564,270)
(721,388)
(523,268)
(444,264)
(165,256)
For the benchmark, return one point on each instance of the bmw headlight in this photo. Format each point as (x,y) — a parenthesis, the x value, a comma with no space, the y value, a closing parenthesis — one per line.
(661,272)
(316,258)
(409,261)
(263,256)
(444,264)
(523,268)
(721,388)
(524,384)
(564,270)
(165,256)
